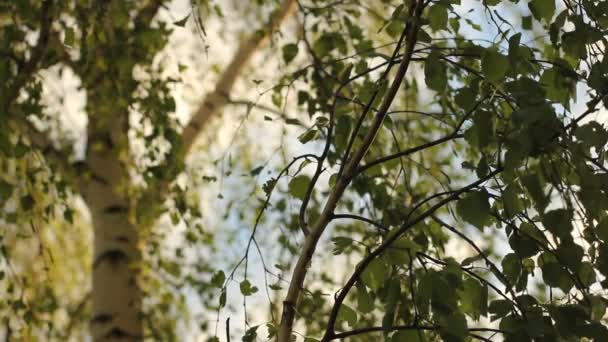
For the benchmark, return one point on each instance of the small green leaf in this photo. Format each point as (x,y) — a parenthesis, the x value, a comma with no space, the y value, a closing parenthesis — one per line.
(348,315)
(375,274)
(454,327)
(289,52)
(511,267)
(308,136)
(475,208)
(494,65)
(542,9)
(256,171)
(511,202)
(500,308)
(247,289)
(586,274)
(298,186)
(70,37)
(435,74)
(218,279)
(558,222)
(438,17)
(474,298)
(523,245)
(27,202)
(526,22)
(269,186)
(251,334)
(6,189)
(482,131)
(365,302)
(602,230)
(182,22)
(223,298)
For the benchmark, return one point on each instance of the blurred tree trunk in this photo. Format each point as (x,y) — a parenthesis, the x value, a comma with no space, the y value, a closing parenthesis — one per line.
(116,295)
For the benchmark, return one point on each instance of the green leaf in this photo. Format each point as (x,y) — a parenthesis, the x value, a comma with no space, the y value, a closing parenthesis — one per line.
(511,267)
(598,307)
(534,185)
(298,186)
(327,43)
(466,96)
(246,288)
(223,298)
(251,334)
(514,42)
(27,202)
(494,65)
(308,136)
(499,308)
(542,9)
(454,327)
(474,298)
(6,189)
(374,274)
(553,273)
(482,131)
(558,222)
(523,245)
(511,202)
(256,171)
(475,208)
(586,274)
(269,186)
(602,230)
(348,315)
(574,44)
(365,302)
(289,52)
(570,255)
(435,72)
(218,279)
(70,37)
(181,22)
(341,243)
(526,22)
(592,134)
(438,17)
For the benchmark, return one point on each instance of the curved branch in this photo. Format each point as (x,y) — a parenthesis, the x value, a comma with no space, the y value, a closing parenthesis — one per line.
(214,101)
(387,243)
(367,330)
(362,219)
(408,152)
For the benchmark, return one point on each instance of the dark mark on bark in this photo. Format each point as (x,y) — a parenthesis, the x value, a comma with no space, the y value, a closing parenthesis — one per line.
(113,256)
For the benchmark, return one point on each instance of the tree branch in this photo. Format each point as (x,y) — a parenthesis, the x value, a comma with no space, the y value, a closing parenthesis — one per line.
(407,152)
(214,101)
(310,244)
(386,244)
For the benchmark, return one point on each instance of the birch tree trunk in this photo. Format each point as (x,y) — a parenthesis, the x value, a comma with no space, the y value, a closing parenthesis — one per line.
(116,295)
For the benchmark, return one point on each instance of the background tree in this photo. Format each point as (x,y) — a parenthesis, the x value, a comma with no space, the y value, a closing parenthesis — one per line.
(112,49)
(453,165)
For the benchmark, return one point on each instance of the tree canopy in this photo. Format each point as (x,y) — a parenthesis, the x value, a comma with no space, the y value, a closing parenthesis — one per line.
(399,170)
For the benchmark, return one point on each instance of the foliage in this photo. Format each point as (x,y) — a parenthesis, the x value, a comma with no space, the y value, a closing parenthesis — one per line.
(453,185)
